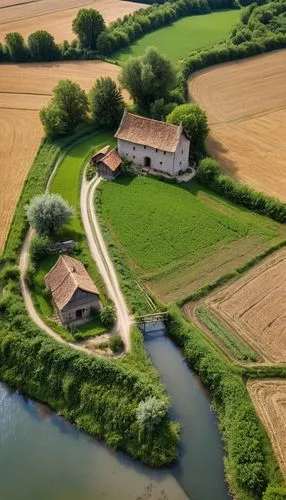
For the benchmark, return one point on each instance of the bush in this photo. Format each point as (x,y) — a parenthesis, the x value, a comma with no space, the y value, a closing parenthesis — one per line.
(9,273)
(39,247)
(116,344)
(107,315)
(275,492)
(209,173)
(42,46)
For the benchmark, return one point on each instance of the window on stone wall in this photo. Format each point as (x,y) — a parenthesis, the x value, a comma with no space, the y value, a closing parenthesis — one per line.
(182,151)
(133,156)
(156,150)
(133,148)
(144,147)
(180,163)
(161,162)
(164,152)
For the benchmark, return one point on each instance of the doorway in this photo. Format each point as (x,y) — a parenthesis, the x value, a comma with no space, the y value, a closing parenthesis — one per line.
(147,161)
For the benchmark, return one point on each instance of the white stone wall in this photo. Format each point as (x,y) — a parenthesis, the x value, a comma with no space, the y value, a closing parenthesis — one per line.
(160,160)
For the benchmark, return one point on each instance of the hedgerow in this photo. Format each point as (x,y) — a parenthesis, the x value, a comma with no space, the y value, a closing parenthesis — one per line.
(249,464)
(210,174)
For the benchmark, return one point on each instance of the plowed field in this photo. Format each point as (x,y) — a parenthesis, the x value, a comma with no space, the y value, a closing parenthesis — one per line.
(24,89)
(246,106)
(56,17)
(255,307)
(269,399)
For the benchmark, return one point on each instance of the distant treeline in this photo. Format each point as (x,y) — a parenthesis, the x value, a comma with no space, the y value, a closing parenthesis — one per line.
(41,46)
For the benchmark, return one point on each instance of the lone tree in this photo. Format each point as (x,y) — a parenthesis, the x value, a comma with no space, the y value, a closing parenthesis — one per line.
(88,25)
(150,413)
(66,110)
(148,78)
(16,47)
(194,121)
(42,46)
(106,103)
(47,212)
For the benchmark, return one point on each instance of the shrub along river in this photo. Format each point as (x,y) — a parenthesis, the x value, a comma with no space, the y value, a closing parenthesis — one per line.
(44,457)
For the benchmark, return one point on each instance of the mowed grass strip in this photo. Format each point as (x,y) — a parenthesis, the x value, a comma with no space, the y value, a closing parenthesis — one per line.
(185,35)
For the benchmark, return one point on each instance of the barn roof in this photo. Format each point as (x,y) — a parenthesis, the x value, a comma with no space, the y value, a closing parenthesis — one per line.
(112,160)
(102,152)
(65,278)
(147,132)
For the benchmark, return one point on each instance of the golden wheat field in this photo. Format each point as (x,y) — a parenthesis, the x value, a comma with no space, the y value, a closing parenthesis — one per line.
(255,307)
(246,107)
(56,17)
(24,89)
(269,399)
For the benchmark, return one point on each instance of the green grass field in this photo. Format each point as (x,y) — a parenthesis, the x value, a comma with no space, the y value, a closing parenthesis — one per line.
(185,35)
(173,235)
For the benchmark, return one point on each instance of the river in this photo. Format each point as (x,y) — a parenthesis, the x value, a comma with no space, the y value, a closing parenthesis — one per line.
(42,457)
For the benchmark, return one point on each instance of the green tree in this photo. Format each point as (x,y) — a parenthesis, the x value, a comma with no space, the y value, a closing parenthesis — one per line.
(16,47)
(42,46)
(72,101)
(106,103)
(148,78)
(151,412)
(88,25)
(48,212)
(54,122)
(275,492)
(194,121)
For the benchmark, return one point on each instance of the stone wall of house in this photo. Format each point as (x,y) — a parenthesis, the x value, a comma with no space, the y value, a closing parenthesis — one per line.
(81,301)
(163,161)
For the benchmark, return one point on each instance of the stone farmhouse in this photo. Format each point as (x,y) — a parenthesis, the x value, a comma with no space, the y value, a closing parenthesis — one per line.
(74,294)
(154,145)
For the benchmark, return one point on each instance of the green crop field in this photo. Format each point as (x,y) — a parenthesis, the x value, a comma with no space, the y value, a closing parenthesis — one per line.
(175,235)
(185,35)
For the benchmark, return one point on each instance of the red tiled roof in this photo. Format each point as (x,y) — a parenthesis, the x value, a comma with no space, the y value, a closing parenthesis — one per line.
(112,160)
(65,278)
(102,151)
(147,132)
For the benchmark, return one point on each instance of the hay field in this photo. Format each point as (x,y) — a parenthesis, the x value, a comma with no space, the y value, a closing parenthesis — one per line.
(24,89)
(255,307)
(269,399)
(56,17)
(246,106)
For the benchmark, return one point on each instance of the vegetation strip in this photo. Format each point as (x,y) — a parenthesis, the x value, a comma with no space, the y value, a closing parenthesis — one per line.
(238,348)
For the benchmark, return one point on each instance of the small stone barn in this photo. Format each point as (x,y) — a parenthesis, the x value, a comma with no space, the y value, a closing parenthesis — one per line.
(152,144)
(74,294)
(108,163)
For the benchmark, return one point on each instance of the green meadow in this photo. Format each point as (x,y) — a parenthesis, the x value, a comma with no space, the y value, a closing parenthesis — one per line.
(167,230)
(185,35)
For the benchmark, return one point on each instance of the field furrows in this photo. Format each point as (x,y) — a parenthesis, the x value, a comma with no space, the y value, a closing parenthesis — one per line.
(255,307)
(269,399)
(246,106)
(24,89)
(56,18)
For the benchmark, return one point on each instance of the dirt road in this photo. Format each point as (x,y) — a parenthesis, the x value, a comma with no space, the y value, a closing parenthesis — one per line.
(100,255)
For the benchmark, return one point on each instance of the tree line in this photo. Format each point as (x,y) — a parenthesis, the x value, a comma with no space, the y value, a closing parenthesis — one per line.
(95,40)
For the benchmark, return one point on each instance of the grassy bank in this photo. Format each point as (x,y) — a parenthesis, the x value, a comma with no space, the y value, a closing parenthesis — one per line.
(184,35)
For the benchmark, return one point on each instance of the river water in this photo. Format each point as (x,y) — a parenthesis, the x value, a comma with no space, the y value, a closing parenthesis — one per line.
(42,457)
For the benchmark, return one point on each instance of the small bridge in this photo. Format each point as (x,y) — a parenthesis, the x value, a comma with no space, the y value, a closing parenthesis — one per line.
(151,319)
